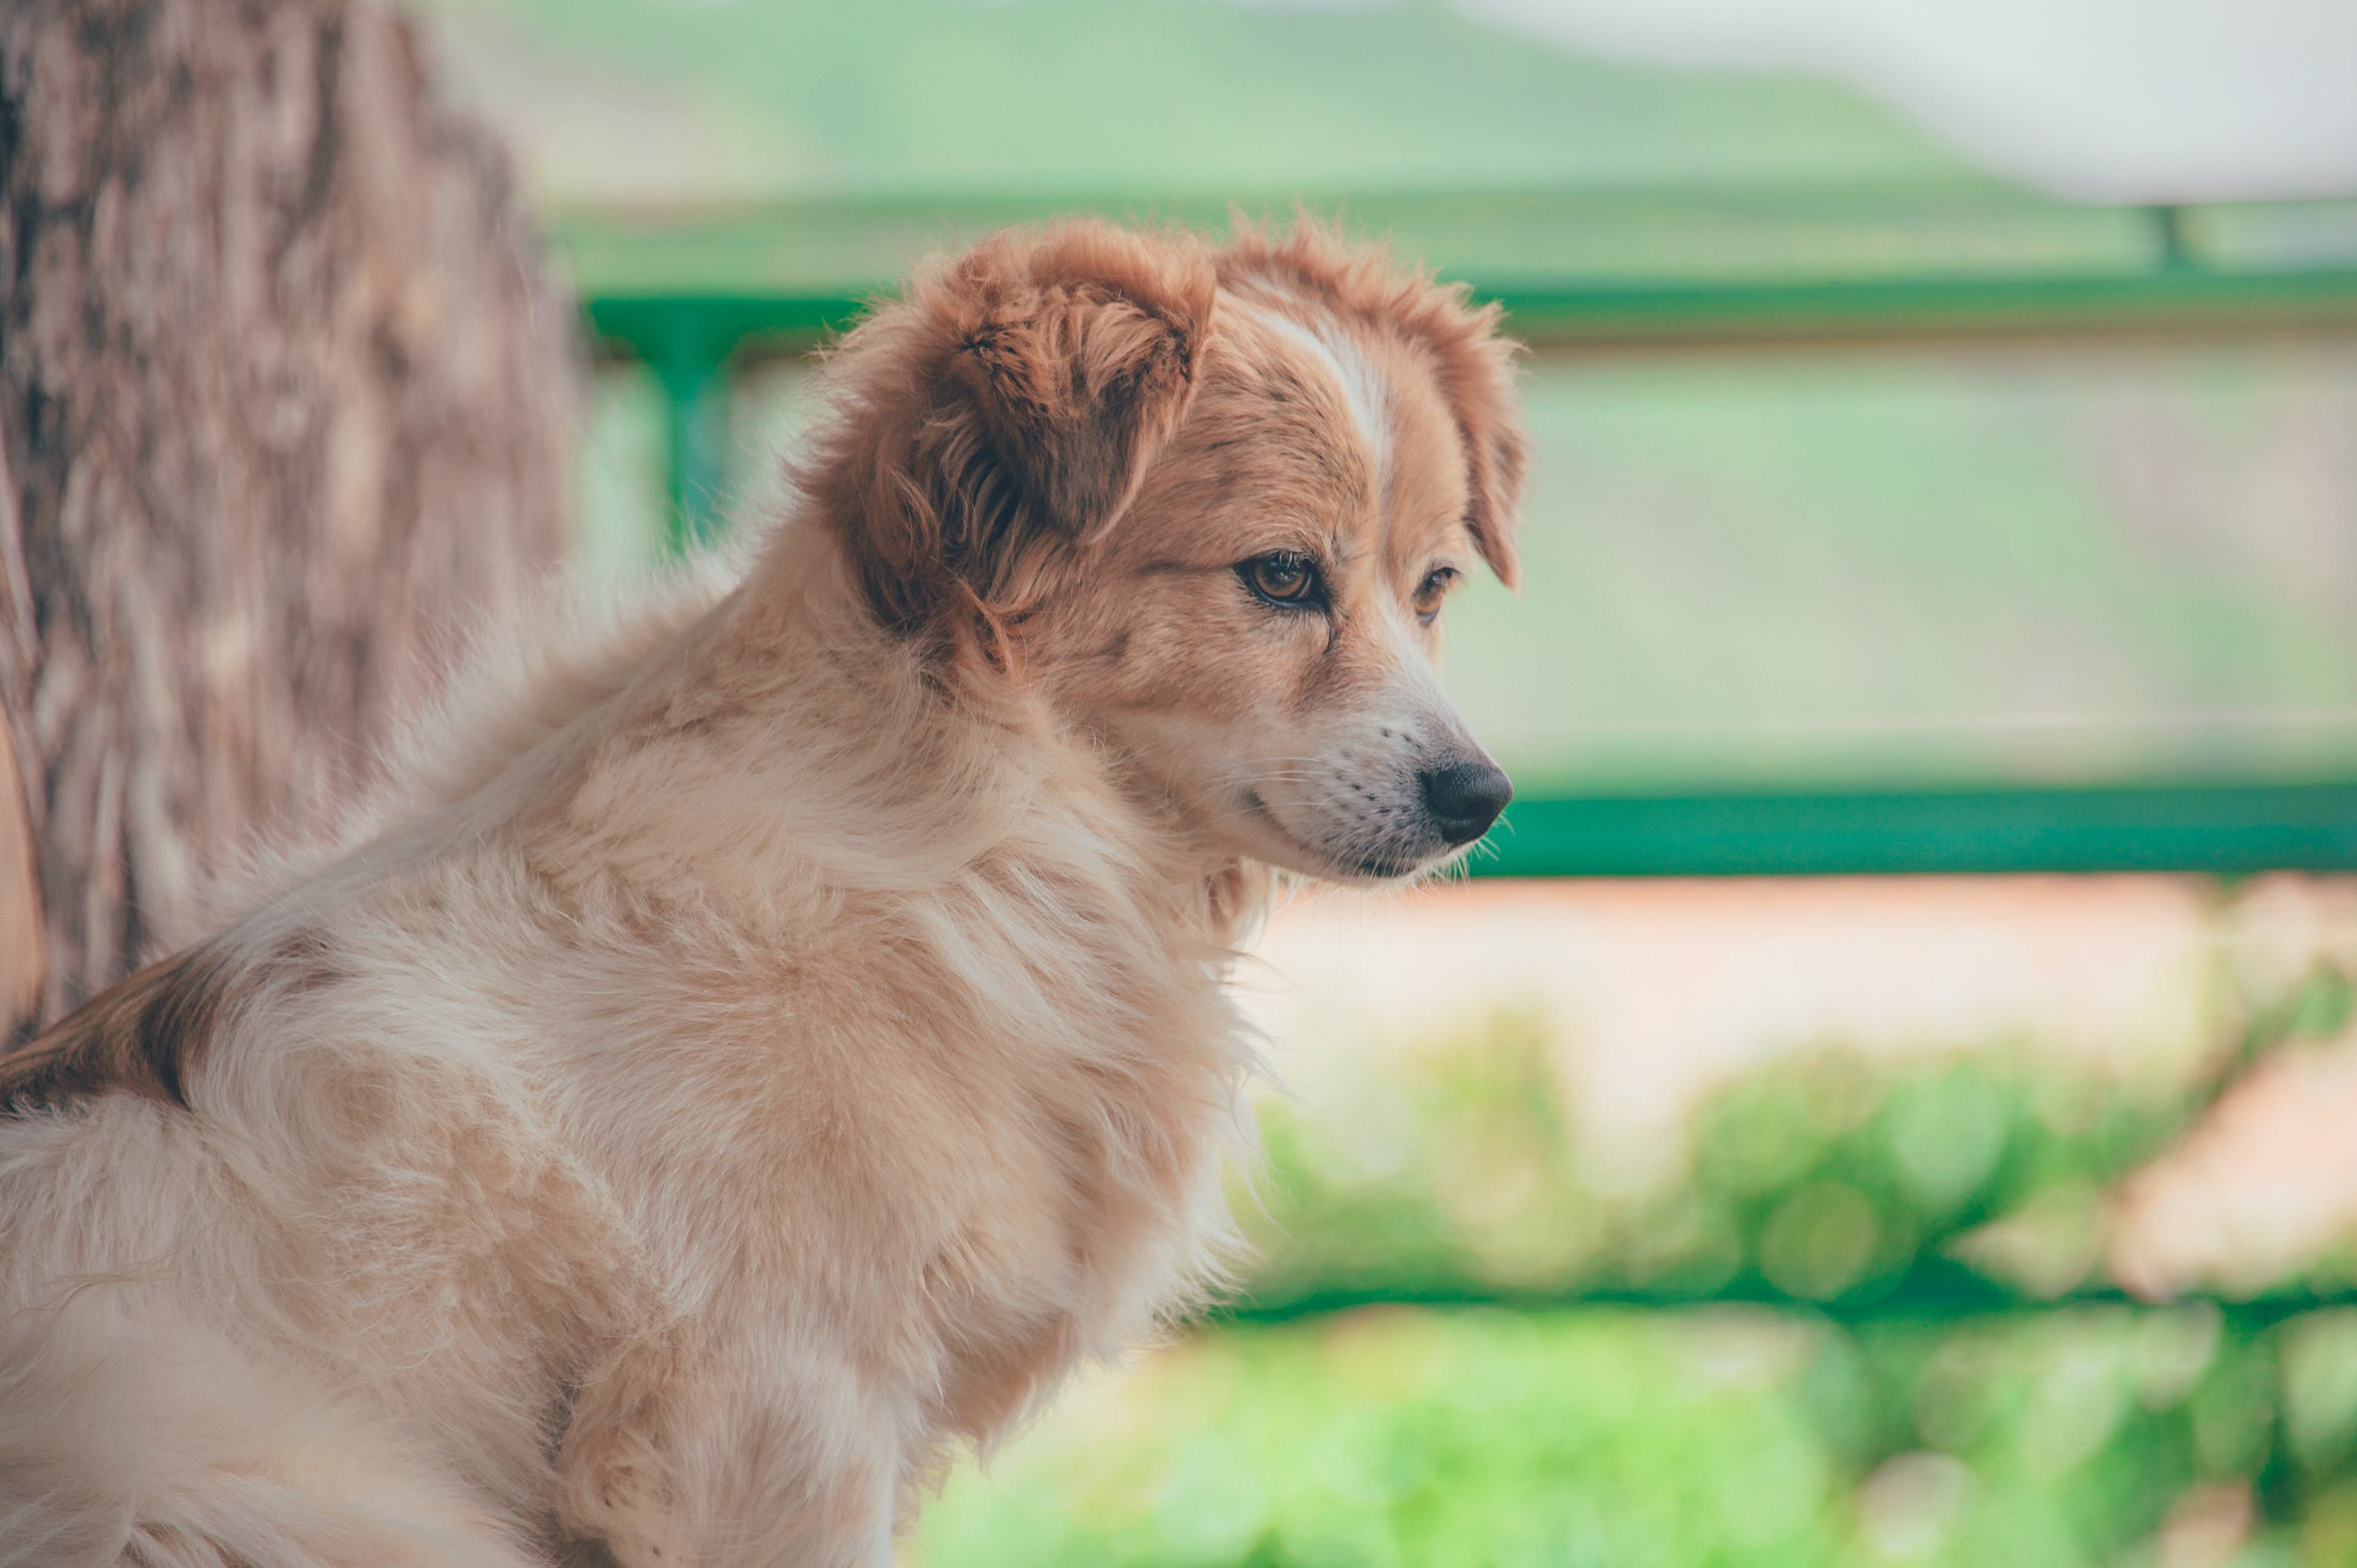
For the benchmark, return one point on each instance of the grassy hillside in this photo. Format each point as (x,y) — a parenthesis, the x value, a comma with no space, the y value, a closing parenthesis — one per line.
(768,98)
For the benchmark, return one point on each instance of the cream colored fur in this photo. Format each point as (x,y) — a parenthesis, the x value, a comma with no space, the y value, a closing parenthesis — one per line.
(749,1051)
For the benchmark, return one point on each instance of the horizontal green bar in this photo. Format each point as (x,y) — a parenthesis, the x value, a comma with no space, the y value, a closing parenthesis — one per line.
(2221,829)
(1942,1293)
(658,327)
(2171,302)
(846,244)
(653,325)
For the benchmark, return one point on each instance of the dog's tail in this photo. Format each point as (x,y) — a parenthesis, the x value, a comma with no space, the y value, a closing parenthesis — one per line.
(131,1446)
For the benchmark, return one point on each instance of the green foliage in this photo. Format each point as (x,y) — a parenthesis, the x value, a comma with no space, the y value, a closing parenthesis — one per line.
(1404,1437)
(1823,1179)
(1707,1438)
(1858,1376)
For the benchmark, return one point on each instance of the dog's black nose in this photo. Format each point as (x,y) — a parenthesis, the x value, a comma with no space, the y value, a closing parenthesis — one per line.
(1465,798)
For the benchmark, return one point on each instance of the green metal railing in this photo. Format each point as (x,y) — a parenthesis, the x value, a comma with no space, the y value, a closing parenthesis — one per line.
(1935,1291)
(2226,830)
(693,293)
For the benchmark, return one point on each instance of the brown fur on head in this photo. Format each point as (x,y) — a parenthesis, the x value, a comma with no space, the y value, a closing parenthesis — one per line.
(1068,447)
(1473,364)
(1007,406)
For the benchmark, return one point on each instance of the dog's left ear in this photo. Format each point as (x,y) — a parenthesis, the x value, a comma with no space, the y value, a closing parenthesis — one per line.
(1005,410)
(1476,364)
(1497,459)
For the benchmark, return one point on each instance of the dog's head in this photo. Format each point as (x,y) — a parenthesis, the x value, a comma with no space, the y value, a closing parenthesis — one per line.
(1210,503)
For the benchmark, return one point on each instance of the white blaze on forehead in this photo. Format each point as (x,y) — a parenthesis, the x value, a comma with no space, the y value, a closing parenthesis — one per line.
(1364,391)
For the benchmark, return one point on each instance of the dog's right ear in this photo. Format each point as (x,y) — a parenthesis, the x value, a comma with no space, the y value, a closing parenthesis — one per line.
(1005,410)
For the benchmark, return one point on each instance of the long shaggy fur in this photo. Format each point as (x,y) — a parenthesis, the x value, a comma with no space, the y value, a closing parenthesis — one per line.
(764,1036)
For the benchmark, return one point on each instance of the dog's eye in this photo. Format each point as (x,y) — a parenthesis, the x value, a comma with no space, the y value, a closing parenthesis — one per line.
(1288,578)
(1431,590)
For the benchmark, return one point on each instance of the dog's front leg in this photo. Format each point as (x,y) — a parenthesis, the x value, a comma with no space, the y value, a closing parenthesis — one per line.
(759,1453)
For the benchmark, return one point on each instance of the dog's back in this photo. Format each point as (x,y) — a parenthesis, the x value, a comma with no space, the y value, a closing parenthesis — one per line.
(250,1197)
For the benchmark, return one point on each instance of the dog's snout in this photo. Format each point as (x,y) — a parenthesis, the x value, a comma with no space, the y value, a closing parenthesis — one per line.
(1465,798)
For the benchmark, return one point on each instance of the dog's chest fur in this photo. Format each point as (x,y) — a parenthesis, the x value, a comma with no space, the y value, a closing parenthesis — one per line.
(962,1105)
(994,1152)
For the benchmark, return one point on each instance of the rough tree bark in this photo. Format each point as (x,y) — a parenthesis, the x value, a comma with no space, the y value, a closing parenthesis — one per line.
(284,397)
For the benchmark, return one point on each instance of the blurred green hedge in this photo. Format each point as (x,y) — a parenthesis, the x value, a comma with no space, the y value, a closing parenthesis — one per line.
(1867,1327)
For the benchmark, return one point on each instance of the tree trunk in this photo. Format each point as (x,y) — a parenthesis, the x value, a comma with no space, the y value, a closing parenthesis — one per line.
(286,398)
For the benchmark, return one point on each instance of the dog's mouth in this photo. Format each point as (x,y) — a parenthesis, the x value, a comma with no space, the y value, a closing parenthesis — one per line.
(1370,868)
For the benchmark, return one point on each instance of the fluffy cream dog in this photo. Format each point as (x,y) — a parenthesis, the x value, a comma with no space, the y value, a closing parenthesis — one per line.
(763,1043)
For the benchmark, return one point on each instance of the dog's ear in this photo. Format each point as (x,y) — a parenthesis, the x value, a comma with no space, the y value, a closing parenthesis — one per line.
(1480,385)
(1475,363)
(1004,411)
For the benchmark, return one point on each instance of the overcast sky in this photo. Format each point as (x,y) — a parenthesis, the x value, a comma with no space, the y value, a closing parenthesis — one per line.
(2112,99)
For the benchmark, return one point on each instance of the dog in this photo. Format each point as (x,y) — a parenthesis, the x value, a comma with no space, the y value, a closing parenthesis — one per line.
(764,1040)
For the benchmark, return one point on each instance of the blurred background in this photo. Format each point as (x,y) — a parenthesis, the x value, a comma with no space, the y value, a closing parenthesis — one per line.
(1888,1093)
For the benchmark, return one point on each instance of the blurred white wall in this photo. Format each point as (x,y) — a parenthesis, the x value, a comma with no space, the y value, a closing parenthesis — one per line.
(2112,100)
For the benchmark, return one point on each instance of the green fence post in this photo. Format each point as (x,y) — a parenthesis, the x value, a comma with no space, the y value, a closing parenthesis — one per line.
(2168,234)
(694,370)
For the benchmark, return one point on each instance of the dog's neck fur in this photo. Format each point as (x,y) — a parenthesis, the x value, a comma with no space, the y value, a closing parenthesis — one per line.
(1061,953)
(768,799)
